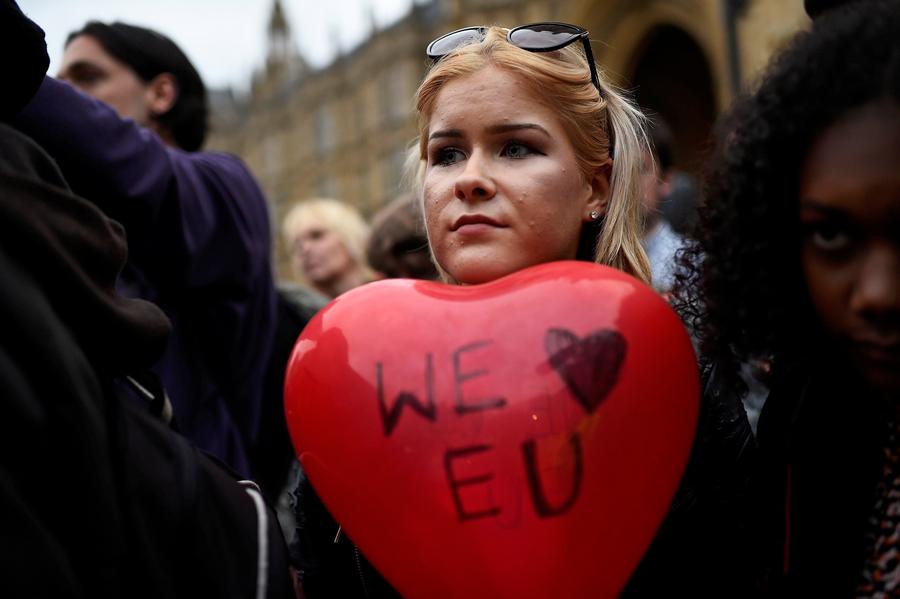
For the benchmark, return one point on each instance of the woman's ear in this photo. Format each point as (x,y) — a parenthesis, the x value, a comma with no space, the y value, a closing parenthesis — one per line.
(162,93)
(599,199)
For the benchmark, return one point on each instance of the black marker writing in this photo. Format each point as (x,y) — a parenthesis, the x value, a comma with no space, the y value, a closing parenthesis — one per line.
(391,415)
(541,503)
(456,483)
(459,377)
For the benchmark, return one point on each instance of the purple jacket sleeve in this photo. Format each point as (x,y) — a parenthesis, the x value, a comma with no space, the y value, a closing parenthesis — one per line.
(199,246)
(194,220)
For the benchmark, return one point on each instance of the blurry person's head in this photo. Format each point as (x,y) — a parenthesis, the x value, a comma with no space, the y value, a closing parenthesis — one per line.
(656,171)
(326,240)
(522,160)
(398,247)
(141,74)
(799,241)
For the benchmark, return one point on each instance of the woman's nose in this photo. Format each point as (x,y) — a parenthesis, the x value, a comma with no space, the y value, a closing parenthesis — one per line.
(877,289)
(475,183)
(301,247)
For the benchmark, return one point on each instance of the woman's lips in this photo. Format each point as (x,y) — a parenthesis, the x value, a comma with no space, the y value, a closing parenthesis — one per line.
(474,223)
(884,355)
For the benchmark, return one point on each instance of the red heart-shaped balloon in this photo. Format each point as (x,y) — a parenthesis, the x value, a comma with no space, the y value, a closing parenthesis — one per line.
(521,438)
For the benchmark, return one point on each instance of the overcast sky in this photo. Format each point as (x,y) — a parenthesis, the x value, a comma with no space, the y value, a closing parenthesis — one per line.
(226,39)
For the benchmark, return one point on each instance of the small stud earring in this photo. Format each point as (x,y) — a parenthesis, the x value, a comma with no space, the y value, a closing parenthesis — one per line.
(594,215)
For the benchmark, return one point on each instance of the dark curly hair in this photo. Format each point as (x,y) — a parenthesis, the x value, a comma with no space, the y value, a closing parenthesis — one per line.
(741,288)
(149,53)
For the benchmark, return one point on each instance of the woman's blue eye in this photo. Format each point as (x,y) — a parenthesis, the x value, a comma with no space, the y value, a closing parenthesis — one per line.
(515,149)
(447,156)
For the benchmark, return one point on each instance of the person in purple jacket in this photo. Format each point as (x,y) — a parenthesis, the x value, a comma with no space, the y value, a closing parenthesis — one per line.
(126,128)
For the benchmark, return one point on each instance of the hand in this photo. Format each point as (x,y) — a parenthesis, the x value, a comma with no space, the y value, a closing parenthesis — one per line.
(24,55)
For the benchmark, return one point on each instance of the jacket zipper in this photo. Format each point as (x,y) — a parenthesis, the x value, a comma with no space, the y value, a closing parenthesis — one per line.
(359,569)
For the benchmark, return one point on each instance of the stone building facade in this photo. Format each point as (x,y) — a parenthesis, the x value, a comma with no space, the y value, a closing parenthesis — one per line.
(342,131)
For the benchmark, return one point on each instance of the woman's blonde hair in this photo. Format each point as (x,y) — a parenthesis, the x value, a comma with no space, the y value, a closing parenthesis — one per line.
(344,220)
(562,78)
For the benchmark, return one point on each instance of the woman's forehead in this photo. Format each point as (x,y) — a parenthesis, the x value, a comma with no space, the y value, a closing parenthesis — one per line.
(489,93)
(853,166)
(310,221)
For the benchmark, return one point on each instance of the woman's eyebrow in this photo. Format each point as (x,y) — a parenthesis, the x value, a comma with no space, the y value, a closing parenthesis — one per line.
(813,204)
(507,127)
(491,130)
(454,133)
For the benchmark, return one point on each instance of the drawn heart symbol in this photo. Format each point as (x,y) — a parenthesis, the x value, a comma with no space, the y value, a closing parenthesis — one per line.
(590,366)
(521,438)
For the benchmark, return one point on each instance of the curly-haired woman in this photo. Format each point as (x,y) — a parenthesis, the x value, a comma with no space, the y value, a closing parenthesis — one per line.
(798,261)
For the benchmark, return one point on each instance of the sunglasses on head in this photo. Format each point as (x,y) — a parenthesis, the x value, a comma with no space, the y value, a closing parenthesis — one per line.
(537,37)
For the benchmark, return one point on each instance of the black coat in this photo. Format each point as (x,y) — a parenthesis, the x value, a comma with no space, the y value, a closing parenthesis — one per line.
(99,498)
(706,545)
(821,457)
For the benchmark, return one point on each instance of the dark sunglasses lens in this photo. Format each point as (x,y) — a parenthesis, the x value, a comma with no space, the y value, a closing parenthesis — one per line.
(544,36)
(450,42)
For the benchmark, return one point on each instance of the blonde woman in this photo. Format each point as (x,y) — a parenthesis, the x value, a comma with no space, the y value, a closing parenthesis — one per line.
(326,240)
(526,155)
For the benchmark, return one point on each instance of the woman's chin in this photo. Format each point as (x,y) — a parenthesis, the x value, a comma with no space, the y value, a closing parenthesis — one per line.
(480,273)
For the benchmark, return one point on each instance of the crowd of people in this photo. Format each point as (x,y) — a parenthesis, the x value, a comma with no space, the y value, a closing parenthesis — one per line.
(145,339)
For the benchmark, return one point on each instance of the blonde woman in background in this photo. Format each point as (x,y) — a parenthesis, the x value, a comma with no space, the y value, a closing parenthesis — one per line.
(326,240)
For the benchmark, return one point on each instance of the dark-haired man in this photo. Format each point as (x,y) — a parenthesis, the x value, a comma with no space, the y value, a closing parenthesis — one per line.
(143,76)
(197,222)
(91,69)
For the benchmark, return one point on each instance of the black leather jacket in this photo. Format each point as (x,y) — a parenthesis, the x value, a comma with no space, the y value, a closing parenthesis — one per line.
(706,545)
(821,439)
